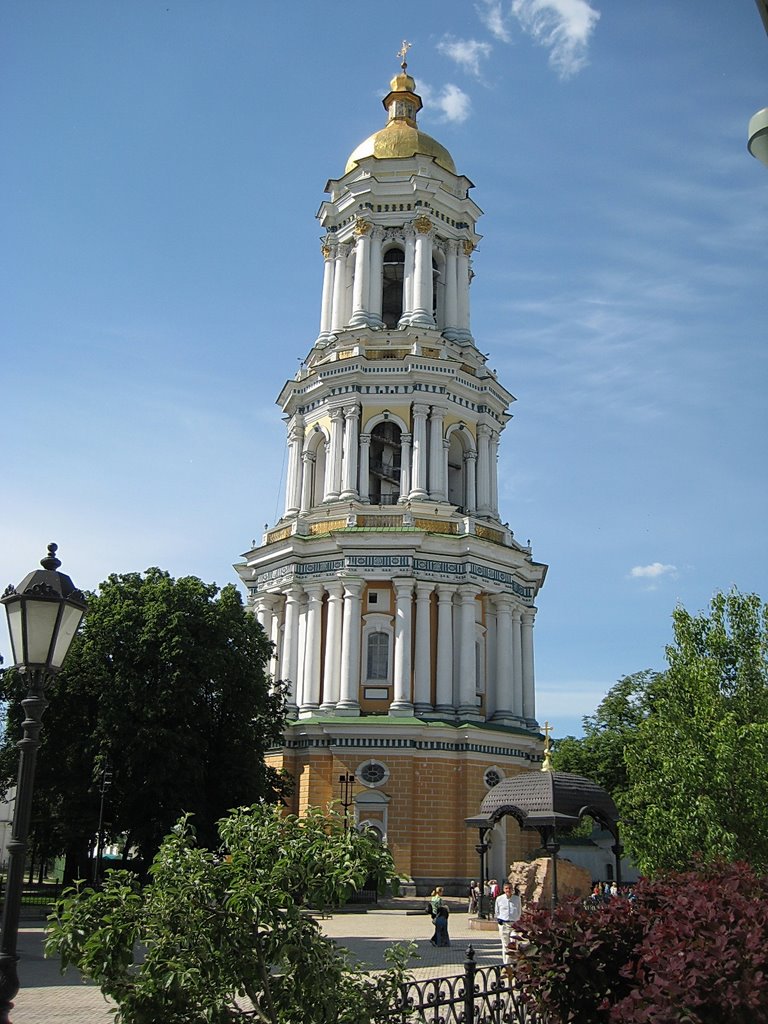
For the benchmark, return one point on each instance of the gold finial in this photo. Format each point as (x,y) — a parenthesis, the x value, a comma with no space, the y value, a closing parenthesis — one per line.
(547,765)
(402,53)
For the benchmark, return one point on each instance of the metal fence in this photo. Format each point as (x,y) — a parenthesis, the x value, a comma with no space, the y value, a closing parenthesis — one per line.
(481,995)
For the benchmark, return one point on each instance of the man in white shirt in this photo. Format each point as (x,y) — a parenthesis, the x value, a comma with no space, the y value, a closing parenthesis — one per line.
(507,909)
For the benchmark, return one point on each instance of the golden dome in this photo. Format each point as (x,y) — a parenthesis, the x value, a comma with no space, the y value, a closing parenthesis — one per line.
(401,137)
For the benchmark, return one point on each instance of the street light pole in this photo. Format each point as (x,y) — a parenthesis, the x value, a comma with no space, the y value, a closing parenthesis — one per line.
(106,782)
(44,612)
(346,782)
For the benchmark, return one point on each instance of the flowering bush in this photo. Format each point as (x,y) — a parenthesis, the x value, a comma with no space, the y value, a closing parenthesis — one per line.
(690,948)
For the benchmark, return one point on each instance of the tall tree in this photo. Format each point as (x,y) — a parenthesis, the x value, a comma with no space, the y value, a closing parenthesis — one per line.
(166,685)
(698,768)
(600,754)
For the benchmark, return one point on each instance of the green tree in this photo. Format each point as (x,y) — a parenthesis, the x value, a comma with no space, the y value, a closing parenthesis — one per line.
(165,684)
(218,939)
(600,754)
(698,766)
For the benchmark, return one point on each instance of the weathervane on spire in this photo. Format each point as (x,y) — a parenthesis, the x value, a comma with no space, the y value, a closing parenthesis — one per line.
(402,53)
(547,765)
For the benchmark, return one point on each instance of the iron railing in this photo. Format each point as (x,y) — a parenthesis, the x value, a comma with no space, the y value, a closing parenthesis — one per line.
(481,995)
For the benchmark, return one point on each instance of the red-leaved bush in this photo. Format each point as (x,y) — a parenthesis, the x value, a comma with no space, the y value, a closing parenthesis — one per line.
(690,948)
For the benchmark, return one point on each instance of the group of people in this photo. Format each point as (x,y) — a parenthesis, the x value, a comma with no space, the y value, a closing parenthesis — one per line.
(507,909)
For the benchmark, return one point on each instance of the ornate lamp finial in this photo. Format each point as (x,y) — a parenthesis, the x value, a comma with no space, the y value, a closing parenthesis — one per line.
(547,765)
(402,53)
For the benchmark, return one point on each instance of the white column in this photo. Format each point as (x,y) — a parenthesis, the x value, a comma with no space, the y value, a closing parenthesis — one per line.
(339,288)
(422,676)
(402,703)
(350,650)
(361,285)
(329,256)
(462,290)
(419,462)
(312,639)
(444,688)
(436,455)
(332,665)
(334,456)
(467,656)
(451,289)
(405,466)
(328,480)
(483,469)
(264,604)
(293,478)
(504,695)
(529,686)
(422,274)
(517,666)
(365,471)
(376,278)
(494,472)
(408,265)
(470,483)
(351,429)
(275,666)
(290,655)
(308,463)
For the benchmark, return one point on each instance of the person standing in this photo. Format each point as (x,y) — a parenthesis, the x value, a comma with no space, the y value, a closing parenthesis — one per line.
(474,897)
(507,910)
(439,918)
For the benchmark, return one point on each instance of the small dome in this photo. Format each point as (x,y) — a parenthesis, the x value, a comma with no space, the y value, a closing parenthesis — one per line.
(401,138)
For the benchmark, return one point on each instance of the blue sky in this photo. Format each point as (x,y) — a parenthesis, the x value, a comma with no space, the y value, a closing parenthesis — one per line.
(161,169)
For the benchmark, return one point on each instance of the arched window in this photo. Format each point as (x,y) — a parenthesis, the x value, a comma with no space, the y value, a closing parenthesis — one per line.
(456,481)
(384,464)
(378,657)
(393,277)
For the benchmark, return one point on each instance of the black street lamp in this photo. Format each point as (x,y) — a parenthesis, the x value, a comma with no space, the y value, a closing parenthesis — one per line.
(44,612)
(346,782)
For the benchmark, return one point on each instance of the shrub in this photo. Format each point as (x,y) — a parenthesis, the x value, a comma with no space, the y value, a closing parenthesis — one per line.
(690,948)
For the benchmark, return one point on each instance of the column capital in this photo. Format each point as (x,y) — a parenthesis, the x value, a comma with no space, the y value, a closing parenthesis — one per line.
(422,224)
(308,456)
(337,413)
(424,587)
(484,430)
(420,409)
(528,615)
(353,588)
(314,591)
(352,412)
(470,455)
(503,601)
(362,227)
(403,587)
(328,249)
(365,439)
(445,591)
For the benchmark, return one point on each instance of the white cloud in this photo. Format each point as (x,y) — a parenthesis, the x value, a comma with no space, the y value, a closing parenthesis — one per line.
(564,27)
(467,53)
(492,16)
(452,102)
(653,571)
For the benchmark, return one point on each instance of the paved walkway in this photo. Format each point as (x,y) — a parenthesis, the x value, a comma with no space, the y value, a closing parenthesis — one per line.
(47,997)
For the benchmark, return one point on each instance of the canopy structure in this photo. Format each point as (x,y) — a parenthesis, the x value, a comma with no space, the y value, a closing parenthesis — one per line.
(547,800)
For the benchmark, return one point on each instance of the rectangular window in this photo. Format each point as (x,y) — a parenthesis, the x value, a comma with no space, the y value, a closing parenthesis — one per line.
(378,656)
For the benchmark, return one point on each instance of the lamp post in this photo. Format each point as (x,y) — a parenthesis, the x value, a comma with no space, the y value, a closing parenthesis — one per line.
(44,612)
(346,782)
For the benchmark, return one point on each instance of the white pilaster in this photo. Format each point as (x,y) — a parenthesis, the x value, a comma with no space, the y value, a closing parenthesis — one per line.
(339,288)
(462,291)
(436,455)
(504,682)
(402,703)
(308,464)
(337,441)
(293,478)
(329,257)
(517,666)
(349,703)
(361,285)
(310,698)
(494,472)
(365,468)
(422,274)
(290,655)
(351,430)
(408,272)
(451,289)
(483,469)
(444,685)
(376,277)
(467,654)
(419,458)
(529,686)
(470,481)
(405,466)
(332,665)
(275,666)
(422,676)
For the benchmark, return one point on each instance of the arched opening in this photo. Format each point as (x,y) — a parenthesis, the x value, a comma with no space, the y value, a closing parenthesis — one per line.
(393,277)
(384,464)
(456,475)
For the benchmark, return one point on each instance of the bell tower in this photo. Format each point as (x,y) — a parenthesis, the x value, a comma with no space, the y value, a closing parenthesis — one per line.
(400,607)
